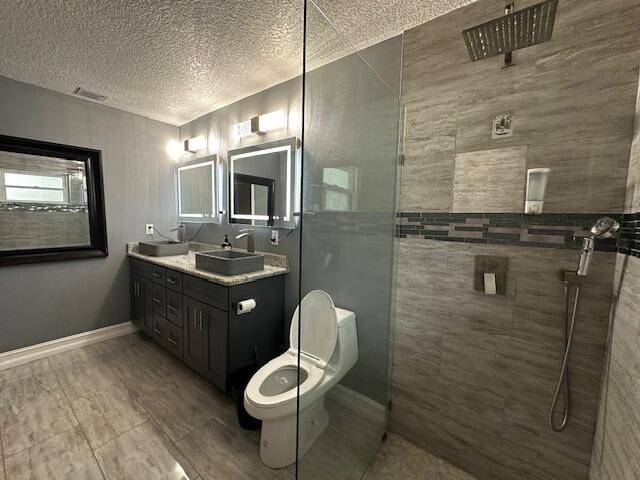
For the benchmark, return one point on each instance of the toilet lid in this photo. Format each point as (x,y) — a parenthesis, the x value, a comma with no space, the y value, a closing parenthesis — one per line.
(319,330)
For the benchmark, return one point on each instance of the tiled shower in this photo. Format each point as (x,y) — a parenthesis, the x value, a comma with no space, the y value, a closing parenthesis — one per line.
(474,374)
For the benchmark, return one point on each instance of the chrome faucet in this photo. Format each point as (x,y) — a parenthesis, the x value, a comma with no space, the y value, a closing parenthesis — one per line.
(251,239)
(181,232)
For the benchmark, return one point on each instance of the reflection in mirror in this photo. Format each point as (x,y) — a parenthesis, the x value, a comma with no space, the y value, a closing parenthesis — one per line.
(196,184)
(253,199)
(261,184)
(45,206)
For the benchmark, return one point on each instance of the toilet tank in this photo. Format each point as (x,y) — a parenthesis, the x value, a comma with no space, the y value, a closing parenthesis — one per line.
(345,354)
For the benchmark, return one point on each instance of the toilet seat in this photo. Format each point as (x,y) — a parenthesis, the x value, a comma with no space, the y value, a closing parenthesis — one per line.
(289,359)
(314,344)
(319,334)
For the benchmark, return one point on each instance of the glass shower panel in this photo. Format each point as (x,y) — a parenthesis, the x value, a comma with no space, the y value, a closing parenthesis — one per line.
(350,157)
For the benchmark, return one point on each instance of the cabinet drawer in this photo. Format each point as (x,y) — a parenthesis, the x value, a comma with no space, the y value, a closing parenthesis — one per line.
(159,329)
(174,340)
(159,299)
(207,292)
(140,267)
(174,307)
(158,274)
(174,280)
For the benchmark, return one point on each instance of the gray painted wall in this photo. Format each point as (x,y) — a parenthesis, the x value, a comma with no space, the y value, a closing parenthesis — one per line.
(51,300)
(351,119)
(217,127)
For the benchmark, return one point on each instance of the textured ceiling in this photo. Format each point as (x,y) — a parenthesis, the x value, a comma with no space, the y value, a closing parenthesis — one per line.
(174,60)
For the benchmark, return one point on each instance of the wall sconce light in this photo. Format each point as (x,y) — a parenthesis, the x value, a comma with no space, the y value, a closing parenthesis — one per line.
(195,144)
(261,124)
(174,149)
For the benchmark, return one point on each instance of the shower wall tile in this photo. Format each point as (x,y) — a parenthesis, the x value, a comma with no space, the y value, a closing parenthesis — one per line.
(616,448)
(632,200)
(617,442)
(466,362)
(572,101)
(585,165)
(489,180)
(429,148)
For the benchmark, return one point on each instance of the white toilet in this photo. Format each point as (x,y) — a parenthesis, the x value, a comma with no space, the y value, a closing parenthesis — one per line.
(328,349)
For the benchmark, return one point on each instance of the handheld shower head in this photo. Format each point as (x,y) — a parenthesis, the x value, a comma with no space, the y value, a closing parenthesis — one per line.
(605,227)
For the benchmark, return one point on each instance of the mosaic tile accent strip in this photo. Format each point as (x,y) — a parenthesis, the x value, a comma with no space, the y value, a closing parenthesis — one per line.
(41,207)
(629,242)
(549,230)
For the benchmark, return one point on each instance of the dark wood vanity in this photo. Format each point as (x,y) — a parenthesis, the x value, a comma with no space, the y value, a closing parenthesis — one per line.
(197,321)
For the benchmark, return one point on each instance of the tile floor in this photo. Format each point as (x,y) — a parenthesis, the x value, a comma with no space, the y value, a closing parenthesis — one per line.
(125,409)
(397,458)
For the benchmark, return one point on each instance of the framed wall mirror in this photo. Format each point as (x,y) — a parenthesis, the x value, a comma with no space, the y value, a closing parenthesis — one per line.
(261,184)
(197,190)
(51,202)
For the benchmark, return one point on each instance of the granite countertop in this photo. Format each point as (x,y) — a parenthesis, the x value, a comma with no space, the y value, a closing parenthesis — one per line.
(274,265)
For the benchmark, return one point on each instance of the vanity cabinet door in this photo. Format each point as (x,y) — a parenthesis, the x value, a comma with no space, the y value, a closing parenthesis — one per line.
(147,294)
(159,329)
(159,298)
(194,350)
(215,334)
(174,308)
(174,340)
(137,300)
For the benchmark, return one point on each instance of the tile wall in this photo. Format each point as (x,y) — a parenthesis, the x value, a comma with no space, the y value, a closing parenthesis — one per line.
(474,374)
(616,449)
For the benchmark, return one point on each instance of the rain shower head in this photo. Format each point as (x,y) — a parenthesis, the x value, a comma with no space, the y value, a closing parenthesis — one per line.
(605,227)
(520,29)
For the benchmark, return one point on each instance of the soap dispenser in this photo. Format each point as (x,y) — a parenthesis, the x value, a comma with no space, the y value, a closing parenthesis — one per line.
(537,179)
(226,245)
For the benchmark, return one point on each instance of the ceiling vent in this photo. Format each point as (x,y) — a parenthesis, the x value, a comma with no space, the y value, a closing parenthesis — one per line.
(81,92)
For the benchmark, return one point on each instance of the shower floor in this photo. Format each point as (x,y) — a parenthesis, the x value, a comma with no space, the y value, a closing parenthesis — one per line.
(398,458)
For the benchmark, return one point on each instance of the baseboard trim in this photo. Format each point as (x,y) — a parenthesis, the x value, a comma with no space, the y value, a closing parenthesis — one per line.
(28,354)
(359,403)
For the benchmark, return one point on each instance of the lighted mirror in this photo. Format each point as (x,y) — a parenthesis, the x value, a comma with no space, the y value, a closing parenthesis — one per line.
(196,190)
(261,184)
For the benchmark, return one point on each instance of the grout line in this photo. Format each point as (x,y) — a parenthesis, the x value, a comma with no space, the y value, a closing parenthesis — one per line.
(2,462)
(175,444)
(40,442)
(84,434)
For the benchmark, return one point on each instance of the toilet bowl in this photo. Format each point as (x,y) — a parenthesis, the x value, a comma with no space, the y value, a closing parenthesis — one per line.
(325,348)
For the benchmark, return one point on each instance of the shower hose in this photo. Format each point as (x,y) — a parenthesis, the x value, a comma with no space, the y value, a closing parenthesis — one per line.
(563,380)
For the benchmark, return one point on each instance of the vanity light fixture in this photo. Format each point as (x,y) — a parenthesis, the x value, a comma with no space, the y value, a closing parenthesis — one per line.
(195,144)
(271,121)
(259,125)
(174,149)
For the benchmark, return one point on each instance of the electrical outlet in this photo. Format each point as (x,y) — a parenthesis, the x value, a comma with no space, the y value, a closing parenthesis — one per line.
(275,237)
(148,228)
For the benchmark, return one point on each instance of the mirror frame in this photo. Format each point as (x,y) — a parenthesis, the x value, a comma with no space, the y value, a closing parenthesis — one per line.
(95,202)
(197,162)
(289,145)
